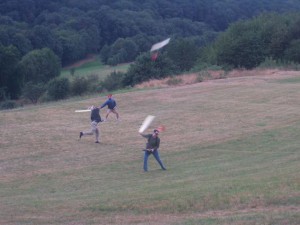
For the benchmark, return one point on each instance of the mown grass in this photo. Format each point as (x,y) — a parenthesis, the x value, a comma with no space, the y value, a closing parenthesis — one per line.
(290,80)
(224,167)
(248,219)
(94,67)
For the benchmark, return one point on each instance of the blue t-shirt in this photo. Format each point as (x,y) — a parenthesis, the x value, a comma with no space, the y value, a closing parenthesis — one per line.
(110,103)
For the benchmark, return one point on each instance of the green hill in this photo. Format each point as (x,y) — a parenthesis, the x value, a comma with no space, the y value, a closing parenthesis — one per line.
(231,147)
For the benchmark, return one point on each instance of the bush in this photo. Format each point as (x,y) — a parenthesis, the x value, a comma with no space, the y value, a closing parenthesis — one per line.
(8,104)
(205,66)
(174,81)
(271,63)
(113,81)
(93,83)
(202,75)
(58,88)
(79,86)
(145,69)
(3,95)
(33,91)
(292,53)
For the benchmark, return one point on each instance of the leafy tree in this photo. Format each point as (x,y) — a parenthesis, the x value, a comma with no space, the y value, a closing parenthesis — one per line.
(92,39)
(22,43)
(113,81)
(79,86)
(247,43)
(183,53)
(73,46)
(145,69)
(104,53)
(292,52)
(58,88)
(244,50)
(40,66)
(10,81)
(43,37)
(33,91)
(123,50)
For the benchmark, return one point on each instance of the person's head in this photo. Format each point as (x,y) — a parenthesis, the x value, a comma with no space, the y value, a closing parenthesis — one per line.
(109,95)
(155,132)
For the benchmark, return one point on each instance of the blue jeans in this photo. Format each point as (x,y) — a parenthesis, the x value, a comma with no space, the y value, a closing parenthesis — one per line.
(156,156)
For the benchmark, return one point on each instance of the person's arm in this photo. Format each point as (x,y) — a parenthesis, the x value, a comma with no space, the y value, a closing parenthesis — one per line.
(104,104)
(144,135)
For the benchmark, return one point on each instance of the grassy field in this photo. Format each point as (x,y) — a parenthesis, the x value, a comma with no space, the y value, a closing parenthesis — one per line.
(93,67)
(231,148)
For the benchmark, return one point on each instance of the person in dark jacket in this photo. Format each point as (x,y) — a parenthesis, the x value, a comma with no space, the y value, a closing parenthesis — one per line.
(152,147)
(111,106)
(95,119)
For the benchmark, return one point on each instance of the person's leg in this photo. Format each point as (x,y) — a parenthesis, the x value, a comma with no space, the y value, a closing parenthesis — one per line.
(156,156)
(95,130)
(107,113)
(91,132)
(97,134)
(116,113)
(146,155)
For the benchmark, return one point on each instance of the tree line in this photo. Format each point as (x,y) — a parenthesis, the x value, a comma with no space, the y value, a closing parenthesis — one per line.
(245,44)
(38,37)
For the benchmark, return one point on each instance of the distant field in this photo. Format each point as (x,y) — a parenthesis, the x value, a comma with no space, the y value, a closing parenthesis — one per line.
(93,67)
(231,147)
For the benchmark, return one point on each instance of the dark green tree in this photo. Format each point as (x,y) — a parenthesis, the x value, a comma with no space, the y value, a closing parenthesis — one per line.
(33,91)
(79,86)
(145,69)
(10,79)
(40,66)
(73,46)
(114,81)
(183,53)
(246,44)
(292,52)
(58,88)
(44,37)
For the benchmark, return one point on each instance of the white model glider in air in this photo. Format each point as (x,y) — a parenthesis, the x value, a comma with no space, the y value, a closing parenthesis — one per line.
(147,121)
(159,45)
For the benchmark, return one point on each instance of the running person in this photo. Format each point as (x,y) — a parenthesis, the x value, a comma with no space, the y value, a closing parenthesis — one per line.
(95,118)
(111,106)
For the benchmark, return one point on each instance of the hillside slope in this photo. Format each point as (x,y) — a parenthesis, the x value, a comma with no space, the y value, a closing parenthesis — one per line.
(231,147)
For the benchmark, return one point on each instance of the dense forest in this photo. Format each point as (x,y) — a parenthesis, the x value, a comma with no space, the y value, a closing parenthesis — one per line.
(38,37)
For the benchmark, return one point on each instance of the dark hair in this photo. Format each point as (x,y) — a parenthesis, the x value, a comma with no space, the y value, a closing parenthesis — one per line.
(156,131)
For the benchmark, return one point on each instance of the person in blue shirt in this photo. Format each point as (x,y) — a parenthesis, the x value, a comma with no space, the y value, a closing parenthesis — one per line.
(111,106)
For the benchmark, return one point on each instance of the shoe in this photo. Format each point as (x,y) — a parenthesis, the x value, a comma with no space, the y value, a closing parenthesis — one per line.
(163,168)
(80,135)
(97,142)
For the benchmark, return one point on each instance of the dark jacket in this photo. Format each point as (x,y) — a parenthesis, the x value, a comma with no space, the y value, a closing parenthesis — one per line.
(95,115)
(153,142)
